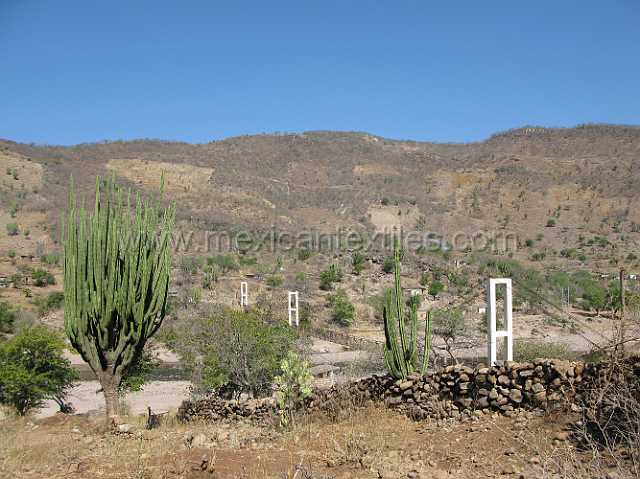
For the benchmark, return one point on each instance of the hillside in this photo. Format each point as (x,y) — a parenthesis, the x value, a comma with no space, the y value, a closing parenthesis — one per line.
(584,179)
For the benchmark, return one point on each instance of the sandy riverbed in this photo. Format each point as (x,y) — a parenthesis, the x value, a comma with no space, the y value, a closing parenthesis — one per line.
(159,395)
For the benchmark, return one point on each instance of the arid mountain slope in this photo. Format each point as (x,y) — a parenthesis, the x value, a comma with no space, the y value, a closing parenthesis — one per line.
(584,179)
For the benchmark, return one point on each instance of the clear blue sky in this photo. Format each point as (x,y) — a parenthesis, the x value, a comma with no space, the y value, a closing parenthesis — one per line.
(81,70)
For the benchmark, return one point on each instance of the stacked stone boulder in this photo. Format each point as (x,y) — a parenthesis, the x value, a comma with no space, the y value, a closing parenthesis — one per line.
(454,390)
(214,408)
(450,392)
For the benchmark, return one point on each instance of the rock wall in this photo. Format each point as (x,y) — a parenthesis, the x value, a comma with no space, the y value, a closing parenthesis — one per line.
(214,408)
(450,392)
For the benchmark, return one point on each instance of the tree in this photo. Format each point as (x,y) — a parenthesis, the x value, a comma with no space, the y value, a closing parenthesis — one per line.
(33,369)
(400,350)
(117,267)
(594,296)
(448,323)
(234,349)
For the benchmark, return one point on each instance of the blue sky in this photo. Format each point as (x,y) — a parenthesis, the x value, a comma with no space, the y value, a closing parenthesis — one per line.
(76,71)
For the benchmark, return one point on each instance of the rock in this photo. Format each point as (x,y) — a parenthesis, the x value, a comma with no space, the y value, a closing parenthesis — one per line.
(504,380)
(516,396)
(199,440)
(534,460)
(537,388)
(405,385)
(125,428)
(561,436)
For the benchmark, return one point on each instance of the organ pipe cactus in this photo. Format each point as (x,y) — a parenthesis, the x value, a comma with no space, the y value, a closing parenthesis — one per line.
(401,349)
(117,265)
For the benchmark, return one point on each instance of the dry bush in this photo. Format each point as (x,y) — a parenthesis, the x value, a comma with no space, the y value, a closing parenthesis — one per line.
(610,427)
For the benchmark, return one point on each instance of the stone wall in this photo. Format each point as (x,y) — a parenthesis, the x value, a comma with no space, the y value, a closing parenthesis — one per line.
(214,408)
(452,391)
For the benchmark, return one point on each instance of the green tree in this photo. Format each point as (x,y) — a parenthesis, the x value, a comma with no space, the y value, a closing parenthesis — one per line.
(33,369)
(117,267)
(594,296)
(236,349)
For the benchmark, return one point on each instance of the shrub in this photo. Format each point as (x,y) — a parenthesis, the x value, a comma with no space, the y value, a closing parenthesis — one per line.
(248,260)
(12,229)
(11,254)
(528,243)
(331,275)
(7,317)
(13,210)
(539,256)
(551,223)
(190,297)
(436,288)
(42,277)
(358,262)
(527,351)
(190,264)
(51,259)
(26,232)
(225,262)
(343,311)
(51,302)
(33,369)
(237,349)
(275,281)
(210,277)
(304,254)
(387,264)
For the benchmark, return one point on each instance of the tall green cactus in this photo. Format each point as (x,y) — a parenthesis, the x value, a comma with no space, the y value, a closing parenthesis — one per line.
(117,266)
(401,352)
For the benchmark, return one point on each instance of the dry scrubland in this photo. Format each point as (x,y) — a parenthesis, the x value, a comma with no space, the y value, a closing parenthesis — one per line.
(370,443)
(569,195)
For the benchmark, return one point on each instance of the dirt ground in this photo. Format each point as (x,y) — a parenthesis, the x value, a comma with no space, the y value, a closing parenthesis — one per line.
(367,443)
